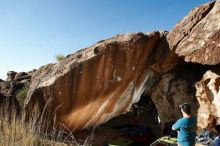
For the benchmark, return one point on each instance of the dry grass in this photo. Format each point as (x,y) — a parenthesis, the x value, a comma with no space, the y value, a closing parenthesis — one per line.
(14,131)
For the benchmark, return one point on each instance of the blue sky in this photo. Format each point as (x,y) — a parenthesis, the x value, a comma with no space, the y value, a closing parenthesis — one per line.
(33,32)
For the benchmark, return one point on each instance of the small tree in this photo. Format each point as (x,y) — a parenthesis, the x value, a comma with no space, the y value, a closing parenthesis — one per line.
(60,57)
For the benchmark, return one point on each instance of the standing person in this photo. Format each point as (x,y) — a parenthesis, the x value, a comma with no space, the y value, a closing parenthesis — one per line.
(217,139)
(186,127)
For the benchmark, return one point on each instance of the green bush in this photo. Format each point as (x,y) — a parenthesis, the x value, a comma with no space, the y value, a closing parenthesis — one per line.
(22,94)
(60,57)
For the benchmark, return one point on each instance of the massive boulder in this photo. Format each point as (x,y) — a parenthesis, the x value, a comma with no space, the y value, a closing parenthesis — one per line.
(197,37)
(208,96)
(100,82)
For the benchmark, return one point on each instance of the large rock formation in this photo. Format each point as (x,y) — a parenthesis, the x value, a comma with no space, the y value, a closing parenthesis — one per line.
(102,81)
(98,83)
(197,36)
(8,100)
(174,88)
(10,88)
(208,96)
(195,39)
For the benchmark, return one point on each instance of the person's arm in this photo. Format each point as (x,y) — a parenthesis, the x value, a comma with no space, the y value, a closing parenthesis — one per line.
(176,126)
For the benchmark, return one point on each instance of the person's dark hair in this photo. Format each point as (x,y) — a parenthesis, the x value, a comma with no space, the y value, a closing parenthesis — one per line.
(217,128)
(186,108)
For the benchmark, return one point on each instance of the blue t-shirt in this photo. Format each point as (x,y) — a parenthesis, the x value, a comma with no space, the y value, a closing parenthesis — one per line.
(217,141)
(186,131)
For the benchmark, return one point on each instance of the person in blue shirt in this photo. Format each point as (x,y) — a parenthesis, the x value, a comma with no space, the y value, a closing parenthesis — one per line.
(217,139)
(186,127)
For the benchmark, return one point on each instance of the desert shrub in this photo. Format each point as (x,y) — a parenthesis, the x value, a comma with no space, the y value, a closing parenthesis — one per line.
(22,94)
(60,57)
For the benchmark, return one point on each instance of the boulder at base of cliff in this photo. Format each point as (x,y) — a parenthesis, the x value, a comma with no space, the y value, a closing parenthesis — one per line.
(208,96)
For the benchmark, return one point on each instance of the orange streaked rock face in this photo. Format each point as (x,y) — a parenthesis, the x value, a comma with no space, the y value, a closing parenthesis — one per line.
(95,84)
(98,83)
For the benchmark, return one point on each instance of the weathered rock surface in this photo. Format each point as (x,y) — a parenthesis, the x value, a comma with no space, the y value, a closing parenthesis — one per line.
(193,39)
(11,75)
(23,77)
(197,36)
(98,83)
(20,75)
(11,87)
(185,26)
(174,88)
(208,96)
(8,101)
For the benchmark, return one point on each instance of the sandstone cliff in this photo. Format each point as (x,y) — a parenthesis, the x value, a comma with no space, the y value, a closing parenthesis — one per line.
(98,83)
(196,37)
